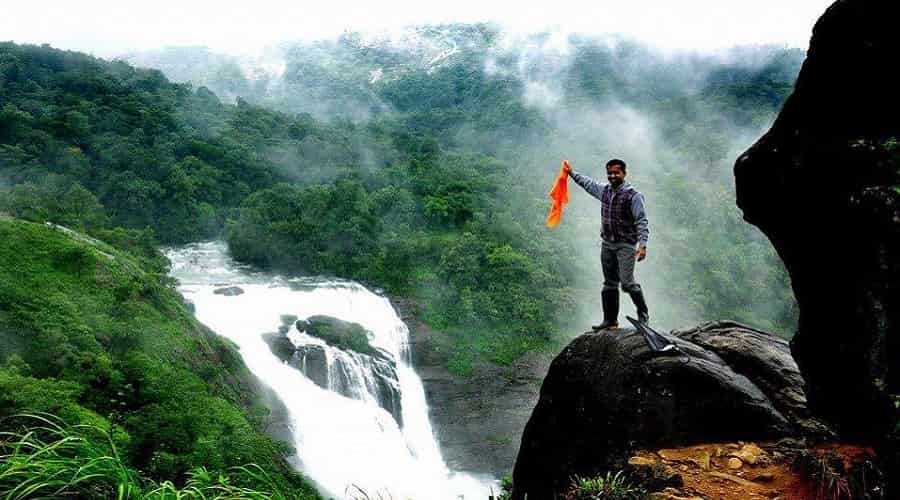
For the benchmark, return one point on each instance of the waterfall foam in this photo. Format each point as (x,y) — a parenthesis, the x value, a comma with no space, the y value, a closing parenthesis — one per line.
(342,442)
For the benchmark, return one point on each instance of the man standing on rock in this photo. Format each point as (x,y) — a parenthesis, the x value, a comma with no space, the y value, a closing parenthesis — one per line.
(624,233)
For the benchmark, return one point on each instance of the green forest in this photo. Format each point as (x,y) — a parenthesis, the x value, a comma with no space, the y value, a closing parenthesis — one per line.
(441,199)
(429,183)
(101,358)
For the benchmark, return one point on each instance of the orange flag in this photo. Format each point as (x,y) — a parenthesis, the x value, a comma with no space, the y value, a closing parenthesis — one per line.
(559,194)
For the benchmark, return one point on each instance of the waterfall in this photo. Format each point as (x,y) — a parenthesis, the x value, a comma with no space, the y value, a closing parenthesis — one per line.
(344,435)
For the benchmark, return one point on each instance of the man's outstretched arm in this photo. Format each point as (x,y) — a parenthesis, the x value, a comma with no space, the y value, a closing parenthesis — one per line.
(590,185)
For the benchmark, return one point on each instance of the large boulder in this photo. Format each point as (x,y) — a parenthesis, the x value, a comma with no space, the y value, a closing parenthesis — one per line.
(766,360)
(608,394)
(822,184)
(336,367)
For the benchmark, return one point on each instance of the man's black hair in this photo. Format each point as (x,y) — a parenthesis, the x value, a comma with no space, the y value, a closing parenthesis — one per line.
(616,161)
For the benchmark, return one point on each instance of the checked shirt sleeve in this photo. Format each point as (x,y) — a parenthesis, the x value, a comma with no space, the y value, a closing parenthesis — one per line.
(640,219)
(590,185)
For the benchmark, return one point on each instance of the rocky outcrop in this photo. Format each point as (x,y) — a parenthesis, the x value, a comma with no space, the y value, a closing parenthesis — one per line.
(337,368)
(338,333)
(608,394)
(312,360)
(767,360)
(822,184)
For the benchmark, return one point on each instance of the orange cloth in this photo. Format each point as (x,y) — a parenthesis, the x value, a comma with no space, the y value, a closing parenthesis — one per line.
(559,194)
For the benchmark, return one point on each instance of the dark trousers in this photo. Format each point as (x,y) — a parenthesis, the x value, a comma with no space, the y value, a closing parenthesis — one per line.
(617,260)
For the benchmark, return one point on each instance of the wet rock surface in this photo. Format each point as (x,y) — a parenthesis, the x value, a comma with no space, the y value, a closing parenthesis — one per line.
(313,362)
(351,374)
(281,346)
(229,291)
(607,394)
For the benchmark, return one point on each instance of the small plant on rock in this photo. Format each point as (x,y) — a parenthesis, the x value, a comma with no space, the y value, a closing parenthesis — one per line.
(608,487)
(827,473)
(506,487)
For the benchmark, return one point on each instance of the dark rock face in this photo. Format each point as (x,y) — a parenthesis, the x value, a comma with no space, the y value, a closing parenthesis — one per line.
(607,394)
(822,185)
(387,385)
(286,321)
(313,362)
(229,291)
(280,345)
(767,361)
(343,375)
(345,371)
(478,419)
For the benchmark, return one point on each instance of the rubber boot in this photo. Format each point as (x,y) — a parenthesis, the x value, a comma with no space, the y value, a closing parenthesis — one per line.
(637,296)
(610,310)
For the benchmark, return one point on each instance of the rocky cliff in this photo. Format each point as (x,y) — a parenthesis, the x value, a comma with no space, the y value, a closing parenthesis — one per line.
(608,394)
(478,419)
(822,184)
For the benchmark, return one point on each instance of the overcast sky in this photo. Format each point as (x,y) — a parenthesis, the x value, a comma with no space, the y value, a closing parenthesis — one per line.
(108,28)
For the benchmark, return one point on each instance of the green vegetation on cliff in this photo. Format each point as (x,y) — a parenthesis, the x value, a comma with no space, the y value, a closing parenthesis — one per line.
(100,338)
(338,333)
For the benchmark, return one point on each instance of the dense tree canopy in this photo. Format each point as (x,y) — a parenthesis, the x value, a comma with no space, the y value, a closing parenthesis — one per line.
(431,182)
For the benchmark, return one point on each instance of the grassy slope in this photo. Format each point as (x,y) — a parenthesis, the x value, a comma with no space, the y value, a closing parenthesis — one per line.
(89,334)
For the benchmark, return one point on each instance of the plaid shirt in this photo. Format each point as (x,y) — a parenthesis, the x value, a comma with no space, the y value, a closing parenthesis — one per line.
(622,210)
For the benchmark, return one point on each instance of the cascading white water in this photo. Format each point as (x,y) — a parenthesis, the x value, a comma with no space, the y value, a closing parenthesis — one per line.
(341,442)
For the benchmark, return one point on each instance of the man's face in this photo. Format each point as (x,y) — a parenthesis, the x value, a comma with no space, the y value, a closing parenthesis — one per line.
(615,175)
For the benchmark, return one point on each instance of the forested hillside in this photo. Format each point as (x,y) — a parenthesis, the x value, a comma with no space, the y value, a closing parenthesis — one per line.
(431,182)
(153,153)
(101,340)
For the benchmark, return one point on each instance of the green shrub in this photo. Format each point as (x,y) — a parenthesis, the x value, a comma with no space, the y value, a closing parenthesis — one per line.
(506,487)
(608,487)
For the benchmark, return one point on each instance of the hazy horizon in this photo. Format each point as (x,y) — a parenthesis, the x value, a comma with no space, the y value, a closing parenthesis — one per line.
(109,29)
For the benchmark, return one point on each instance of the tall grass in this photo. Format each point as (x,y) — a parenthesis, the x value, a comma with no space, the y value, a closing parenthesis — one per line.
(202,484)
(354,492)
(47,459)
(827,474)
